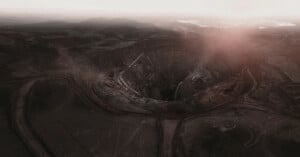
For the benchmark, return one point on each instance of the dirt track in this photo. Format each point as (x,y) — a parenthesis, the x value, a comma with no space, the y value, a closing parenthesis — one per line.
(181,97)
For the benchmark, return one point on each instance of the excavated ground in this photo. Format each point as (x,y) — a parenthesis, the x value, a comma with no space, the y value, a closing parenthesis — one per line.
(136,90)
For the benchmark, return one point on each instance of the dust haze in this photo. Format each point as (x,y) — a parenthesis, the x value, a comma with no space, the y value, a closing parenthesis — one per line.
(145,85)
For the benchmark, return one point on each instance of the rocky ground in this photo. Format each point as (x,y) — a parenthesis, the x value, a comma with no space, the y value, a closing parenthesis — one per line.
(118,89)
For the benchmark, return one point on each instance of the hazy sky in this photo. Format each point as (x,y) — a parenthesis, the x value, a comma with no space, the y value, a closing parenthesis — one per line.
(231,8)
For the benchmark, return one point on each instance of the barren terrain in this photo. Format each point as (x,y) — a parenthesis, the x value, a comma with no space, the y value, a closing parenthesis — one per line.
(130,89)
